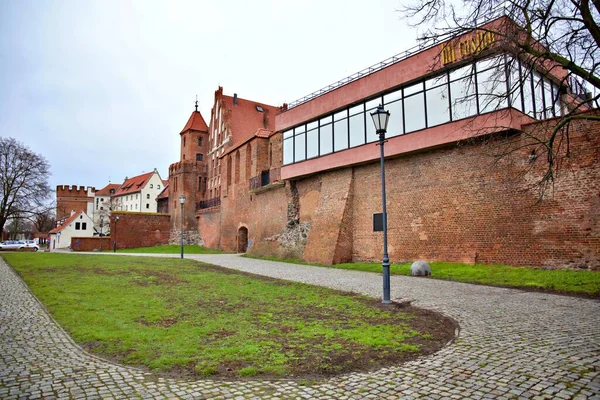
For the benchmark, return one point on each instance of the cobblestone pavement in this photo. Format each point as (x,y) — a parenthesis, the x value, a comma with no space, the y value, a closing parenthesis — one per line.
(512,344)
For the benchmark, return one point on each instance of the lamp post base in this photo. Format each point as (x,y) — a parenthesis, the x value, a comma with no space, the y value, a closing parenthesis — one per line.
(386,280)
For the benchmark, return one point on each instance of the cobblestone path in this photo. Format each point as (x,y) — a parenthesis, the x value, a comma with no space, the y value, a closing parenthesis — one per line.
(512,344)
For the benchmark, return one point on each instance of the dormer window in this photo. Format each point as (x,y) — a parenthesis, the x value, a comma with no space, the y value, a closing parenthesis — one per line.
(259,109)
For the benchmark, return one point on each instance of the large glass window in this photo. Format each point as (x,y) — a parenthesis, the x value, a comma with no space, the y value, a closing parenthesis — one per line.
(312,143)
(340,135)
(462,92)
(414,108)
(299,144)
(371,106)
(357,125)
(549,107)
(438,103)
(527,91)
(491,84)
(326,136)
(514,85)
(393,103)
(288,151)
(538,95)
(556,97)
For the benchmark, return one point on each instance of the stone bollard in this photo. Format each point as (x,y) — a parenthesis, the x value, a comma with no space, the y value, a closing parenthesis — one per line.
(420,268)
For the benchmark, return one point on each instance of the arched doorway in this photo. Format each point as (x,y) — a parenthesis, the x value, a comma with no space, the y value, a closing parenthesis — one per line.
(242,239)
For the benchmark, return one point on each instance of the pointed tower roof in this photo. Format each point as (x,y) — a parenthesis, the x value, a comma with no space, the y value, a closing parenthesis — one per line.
(196,122)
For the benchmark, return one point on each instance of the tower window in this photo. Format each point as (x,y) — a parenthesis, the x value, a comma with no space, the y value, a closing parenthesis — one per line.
(198,157)
(199,140)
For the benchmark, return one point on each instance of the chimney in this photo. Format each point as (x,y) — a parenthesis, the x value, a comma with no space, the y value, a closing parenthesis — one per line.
(235,102)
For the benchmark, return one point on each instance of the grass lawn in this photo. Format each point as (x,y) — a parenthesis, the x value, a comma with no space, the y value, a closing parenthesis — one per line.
(172,249)
(581,282)
(193,319)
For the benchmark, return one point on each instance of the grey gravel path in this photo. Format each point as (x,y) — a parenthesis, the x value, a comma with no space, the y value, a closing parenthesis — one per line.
(512,344)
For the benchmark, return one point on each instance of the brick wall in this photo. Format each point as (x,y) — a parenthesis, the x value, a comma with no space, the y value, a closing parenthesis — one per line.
(454,203)
(91,243)
(139,229)
(209,227)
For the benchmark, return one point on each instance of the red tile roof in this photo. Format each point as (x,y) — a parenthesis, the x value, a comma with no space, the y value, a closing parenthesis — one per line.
(164,194)
(66,222)
(247,121)
(133,185)
(105,191)
(259,133)
(195,123)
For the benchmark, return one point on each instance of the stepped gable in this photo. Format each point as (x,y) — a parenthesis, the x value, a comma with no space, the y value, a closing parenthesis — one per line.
(195,123)
(133,185)
(248,121)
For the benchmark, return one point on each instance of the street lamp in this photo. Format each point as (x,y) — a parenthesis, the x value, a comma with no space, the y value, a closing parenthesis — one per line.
(182,201)
(101,223)
(115,242)
(380,119)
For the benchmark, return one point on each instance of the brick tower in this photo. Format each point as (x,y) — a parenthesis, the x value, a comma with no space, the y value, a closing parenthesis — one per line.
(188,176)
(73,198)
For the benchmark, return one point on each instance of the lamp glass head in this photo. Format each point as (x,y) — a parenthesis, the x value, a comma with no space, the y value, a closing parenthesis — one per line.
(380,118)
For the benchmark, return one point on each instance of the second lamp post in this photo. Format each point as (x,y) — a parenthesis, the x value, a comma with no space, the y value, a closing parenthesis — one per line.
(181,201)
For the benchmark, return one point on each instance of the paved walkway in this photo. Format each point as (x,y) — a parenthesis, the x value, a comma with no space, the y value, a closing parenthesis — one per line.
(512,344)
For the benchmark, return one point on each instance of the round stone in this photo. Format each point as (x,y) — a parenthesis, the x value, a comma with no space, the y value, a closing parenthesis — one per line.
(420,268)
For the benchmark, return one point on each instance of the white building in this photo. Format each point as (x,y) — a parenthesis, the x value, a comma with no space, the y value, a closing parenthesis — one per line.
(79,224)
(102,207)
(138,194)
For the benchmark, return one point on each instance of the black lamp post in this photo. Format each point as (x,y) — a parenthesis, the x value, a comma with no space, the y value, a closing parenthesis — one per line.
(115,242)
(380,119)
(101,223)
(182,201)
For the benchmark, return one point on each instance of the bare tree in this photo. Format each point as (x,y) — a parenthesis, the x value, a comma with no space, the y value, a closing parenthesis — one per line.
(558,39)
(45,220)
(23,181)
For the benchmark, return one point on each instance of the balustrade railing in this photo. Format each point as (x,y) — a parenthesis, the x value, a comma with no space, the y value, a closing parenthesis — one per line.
(208,203)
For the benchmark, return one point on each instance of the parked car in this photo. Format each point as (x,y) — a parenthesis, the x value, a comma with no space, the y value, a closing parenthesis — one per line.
(12,245)
(31,244)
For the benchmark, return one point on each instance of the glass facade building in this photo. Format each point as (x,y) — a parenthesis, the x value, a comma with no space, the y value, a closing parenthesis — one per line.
(488,85)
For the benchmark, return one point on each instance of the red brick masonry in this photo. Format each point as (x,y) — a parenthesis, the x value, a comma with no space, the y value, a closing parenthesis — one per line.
(453,203)
(139,229)
(91,243)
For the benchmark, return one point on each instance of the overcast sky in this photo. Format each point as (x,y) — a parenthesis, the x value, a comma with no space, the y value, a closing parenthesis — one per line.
(103,88)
